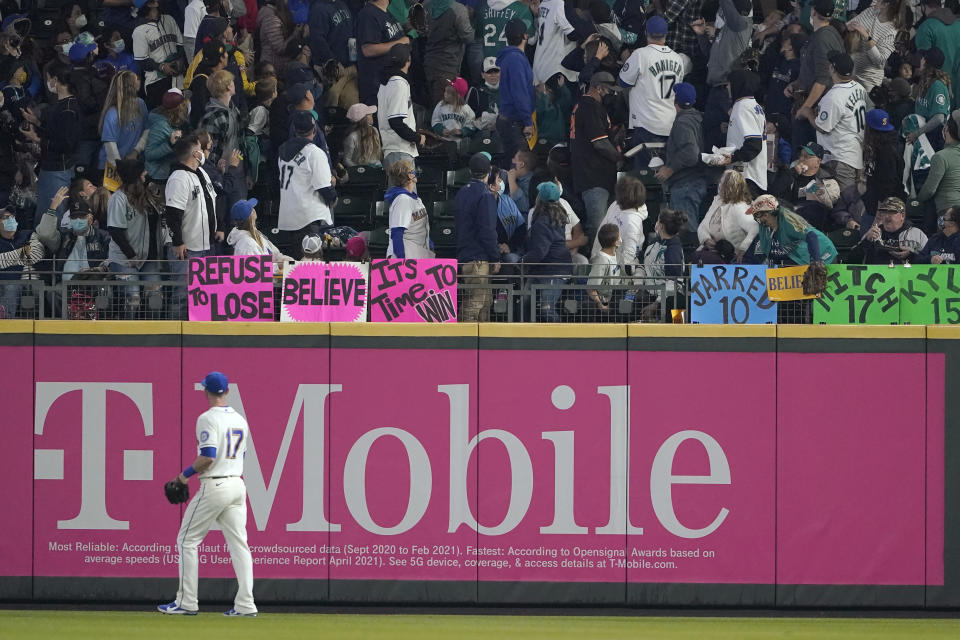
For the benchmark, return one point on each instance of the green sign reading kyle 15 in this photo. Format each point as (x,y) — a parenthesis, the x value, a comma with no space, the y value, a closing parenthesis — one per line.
(929,294)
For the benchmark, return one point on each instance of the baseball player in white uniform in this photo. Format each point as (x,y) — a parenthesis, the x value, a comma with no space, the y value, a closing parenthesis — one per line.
(222,436)
(651,73)
(841,119)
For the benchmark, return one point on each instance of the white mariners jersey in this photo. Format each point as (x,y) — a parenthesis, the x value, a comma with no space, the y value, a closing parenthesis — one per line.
(552,43)
(747,120)
(652,71)
(841,119)
(300,178)
(227,431)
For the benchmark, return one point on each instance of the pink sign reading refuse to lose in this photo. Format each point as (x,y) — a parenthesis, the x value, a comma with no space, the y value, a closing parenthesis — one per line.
(413,290)
(231,288)
(325,292)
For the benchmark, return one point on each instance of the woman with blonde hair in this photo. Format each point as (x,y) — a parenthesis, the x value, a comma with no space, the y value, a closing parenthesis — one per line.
(726,224)
(123,120)
(245,238)
(362,146)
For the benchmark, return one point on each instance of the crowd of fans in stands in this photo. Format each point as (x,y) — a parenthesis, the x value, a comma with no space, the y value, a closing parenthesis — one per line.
(591,139)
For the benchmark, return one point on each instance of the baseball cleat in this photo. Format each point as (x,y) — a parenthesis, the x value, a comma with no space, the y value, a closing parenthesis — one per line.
(233,613)
(173,610)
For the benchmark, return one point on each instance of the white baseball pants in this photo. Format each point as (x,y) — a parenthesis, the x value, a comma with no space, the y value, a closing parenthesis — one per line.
(224,501)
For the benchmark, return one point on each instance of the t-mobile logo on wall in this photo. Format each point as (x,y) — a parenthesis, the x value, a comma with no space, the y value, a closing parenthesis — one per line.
(454,451)
(48,464)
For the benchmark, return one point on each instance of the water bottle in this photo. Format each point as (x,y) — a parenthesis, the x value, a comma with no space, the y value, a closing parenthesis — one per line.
(352,49)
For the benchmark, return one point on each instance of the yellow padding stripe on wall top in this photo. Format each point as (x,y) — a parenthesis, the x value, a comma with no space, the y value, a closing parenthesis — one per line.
(256,329)
(848,332)
(484,330)
(108,327)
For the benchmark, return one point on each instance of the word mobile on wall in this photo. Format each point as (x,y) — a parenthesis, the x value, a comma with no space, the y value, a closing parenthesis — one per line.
(730,294)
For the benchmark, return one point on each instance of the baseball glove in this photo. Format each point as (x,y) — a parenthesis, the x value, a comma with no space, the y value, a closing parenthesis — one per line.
(815,279)
(176,492)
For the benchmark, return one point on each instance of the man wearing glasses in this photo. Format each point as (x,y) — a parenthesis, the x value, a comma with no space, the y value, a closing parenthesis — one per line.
(943,246)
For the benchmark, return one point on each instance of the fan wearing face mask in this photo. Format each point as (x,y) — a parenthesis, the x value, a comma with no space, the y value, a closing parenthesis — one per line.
(118,53)
(20,249)
(77,247)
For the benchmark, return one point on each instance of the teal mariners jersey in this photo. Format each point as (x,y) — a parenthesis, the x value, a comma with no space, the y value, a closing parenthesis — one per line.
(494,16)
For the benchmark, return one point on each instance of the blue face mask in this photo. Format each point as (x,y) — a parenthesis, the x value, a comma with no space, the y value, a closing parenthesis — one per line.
(79,226)
(10,224)
(119,46)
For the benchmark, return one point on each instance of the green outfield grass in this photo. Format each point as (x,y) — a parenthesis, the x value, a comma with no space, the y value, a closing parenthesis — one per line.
(103,625)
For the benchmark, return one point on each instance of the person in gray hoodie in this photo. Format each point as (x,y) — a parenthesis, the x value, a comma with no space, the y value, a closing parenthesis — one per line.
(682,173)
(734,29)
(449,31)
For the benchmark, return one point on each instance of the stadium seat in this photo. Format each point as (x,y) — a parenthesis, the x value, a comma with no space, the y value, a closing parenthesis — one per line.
(457,179)
(443,210)
(431,176)
(377,243)
(366,177)
(381,212)
(444,236)
(844,240)
(353,212)
(485,141)
(335,116)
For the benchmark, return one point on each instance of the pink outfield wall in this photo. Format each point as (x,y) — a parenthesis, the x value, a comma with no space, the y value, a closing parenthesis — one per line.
(459,464)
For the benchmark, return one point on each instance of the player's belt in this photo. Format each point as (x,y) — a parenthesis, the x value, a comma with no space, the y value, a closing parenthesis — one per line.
(219,477)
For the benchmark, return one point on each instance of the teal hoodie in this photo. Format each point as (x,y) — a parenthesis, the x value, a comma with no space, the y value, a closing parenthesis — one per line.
(158,153)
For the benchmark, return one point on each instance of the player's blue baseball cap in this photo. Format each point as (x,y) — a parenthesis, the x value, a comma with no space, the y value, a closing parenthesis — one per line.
(656,26)
(684,94)
(242,209)
(879,120)
(215,382)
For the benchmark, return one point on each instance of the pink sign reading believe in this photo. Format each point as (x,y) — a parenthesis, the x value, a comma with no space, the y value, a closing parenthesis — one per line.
(231,288)
(325,292)
(413,290)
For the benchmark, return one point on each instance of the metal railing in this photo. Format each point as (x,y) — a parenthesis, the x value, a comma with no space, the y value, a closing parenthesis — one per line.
(562,294)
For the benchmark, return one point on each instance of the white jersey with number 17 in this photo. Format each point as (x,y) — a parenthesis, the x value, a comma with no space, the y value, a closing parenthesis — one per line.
(841,119)
(552,43)
(227,431)
(652,71)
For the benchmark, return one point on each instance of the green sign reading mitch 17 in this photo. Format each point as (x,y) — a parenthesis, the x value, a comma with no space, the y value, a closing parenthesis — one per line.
(859,294)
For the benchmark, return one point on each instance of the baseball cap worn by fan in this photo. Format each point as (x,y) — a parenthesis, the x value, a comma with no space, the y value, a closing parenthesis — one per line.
(461,86)
(479,163)
(296,93)
(824,8)
(303,122)
(80,51)
(399,54)
(656,26)
(215,382)
(356,247)
(605,80)
(892,205)
(548,191)
(814,149)
(763,204)
(489,64)
(879,120)
(842,63)
(514,29)
(684,94)
(312,244)
(359,111)
(172,99)
(242,209)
